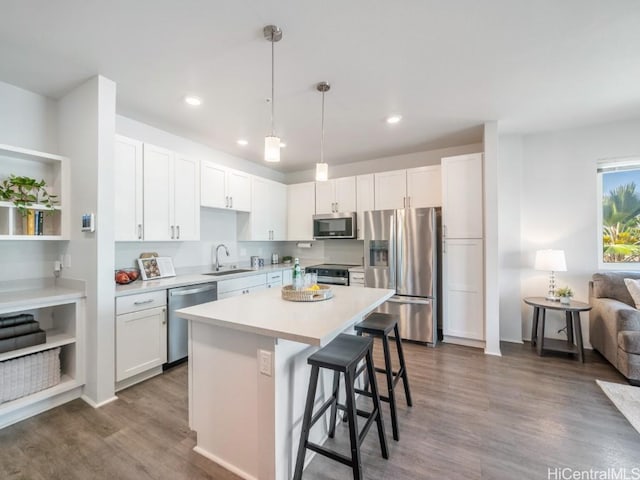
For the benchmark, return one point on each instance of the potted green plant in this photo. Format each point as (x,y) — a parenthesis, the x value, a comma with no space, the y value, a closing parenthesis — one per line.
(565,294)
(26,191)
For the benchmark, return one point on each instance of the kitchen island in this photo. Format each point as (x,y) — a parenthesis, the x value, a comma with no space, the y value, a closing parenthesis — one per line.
(248,374)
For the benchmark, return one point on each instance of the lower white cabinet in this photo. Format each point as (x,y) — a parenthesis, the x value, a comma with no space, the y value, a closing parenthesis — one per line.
(356,279)
(463,308)
(141,333)
(241,286)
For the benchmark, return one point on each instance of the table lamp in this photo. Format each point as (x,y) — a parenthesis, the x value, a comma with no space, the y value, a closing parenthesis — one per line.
(551,261)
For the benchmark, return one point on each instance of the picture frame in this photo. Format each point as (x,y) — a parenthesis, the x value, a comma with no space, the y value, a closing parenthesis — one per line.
(153,268)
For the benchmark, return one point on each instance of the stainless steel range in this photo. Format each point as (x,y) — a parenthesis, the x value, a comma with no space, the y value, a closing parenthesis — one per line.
(331,274)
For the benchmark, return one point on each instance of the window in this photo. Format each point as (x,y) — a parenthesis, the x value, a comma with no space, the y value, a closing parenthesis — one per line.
(619,213)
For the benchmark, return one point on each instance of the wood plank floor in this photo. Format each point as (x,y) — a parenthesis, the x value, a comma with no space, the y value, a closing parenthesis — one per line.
(474,416)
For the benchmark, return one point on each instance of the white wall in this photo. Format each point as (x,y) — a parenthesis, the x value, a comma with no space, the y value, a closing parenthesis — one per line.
(86,133)
(559,202)
(397,162)
(28,120)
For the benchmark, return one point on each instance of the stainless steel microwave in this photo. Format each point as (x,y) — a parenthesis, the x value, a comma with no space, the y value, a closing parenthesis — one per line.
(334,225)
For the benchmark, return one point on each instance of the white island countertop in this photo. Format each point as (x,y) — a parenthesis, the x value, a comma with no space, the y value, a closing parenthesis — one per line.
(266,313)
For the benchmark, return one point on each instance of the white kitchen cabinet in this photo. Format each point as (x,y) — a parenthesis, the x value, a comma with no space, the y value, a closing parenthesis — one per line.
(268,217)
(54,170)
(170,195)
(141,334)
(424,187)
(365,199)
(337,195)
(301,206)
(223,187)
(390,190)
(413,188)
(462,194)
(128,184)
(463,291)
(241,286)
(356,279)
(287,276)
(275,279)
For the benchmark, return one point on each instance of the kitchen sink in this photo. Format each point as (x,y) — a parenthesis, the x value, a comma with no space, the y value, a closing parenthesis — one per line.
(229,272)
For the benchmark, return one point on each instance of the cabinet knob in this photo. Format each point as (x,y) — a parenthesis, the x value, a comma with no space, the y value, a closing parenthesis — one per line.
(178,231)
(231,202)
(139,231)
(172,232)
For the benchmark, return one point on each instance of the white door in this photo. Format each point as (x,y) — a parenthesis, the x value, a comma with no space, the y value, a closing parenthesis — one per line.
(213,186)
(365,199)
(424,187)
(239,190)
(462,196)
(128,189)
(141,341)
(261,209)
(325,197)
(186,181)
(301,205)
(158,192)
(345,193)
(463,308)
(390,190)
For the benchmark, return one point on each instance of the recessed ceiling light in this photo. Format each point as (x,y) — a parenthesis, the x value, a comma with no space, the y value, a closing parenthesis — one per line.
(394,119)
(283,145)
(193,101)
(242,142)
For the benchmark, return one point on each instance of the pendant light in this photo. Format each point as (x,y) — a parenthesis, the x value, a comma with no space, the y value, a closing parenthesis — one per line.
(322,168)
(272,142)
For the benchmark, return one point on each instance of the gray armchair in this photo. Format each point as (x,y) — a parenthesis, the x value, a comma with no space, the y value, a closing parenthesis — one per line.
(614,322)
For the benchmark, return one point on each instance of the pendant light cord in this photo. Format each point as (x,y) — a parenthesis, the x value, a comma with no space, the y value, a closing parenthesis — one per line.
(322,137)
(273,81)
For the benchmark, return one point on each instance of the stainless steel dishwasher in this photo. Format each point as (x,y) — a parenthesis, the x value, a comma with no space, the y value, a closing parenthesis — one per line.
(183,297)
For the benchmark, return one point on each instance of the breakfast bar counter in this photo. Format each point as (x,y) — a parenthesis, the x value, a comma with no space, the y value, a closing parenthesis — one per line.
(248,373)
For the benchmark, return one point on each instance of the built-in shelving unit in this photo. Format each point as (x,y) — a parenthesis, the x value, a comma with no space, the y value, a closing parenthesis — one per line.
(60,314)
(54,169)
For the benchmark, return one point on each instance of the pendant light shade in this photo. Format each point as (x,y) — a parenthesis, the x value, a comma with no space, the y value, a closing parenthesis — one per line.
(272,142)
(322,168)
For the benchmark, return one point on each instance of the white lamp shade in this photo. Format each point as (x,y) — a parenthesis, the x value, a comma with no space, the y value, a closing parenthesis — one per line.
(322,172)
(272,149)
(550,261)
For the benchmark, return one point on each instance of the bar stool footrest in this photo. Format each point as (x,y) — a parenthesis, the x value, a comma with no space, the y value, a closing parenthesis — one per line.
(332,454)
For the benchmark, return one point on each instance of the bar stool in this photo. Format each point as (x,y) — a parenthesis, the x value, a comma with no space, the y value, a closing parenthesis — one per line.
(380,325)
(341,355)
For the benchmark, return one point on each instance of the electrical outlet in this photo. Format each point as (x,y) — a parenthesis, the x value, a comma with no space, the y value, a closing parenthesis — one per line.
(264,358)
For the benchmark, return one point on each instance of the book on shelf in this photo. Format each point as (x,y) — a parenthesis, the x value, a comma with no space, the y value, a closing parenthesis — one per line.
(15,319)
(31,222)
(23,341)
(19,329)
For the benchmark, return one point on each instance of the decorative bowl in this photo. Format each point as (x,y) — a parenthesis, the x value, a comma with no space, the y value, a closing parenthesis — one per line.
(124,276)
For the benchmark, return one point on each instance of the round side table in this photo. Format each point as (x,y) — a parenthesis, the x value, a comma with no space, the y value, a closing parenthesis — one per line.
(572,315)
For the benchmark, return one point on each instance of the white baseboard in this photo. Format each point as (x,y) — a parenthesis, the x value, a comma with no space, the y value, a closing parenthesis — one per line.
(224,464)
(465,342)
(94,404)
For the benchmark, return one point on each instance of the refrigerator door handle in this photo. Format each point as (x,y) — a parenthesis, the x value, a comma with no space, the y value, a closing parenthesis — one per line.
(392,253)
(415,301)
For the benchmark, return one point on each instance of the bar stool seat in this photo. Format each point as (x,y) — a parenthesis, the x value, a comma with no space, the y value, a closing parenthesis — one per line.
(341,355)
(379,324)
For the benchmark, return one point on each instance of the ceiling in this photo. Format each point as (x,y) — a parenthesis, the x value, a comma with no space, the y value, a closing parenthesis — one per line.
(445,66)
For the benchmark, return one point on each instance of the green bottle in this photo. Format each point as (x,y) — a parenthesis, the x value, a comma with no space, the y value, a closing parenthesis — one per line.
(297,275)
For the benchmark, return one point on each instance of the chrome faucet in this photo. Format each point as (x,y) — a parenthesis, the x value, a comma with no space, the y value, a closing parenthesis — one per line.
(218,251)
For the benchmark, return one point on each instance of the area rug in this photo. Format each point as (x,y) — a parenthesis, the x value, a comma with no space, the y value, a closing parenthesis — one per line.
(626,398)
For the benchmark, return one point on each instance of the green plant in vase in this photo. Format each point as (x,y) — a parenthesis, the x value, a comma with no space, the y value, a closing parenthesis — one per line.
(23,192)
(565,294)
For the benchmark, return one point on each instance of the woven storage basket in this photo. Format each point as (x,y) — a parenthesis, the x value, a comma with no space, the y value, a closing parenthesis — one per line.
(323,293)
(29,374)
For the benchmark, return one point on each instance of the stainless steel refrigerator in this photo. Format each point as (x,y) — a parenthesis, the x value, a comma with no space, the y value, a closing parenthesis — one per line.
(402,252)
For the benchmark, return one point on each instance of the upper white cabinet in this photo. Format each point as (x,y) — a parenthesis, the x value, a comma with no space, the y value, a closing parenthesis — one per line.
(170,193)
(54,170)
(337,195)
(223,187)
(462,193)
(157,193)
(268,217)
(365,199)
(301,205)
(412,188)
(128,189)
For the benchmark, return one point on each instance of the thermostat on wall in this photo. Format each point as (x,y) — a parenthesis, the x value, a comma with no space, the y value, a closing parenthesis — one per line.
(88,222)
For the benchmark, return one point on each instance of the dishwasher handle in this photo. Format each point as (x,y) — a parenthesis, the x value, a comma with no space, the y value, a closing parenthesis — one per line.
(191,291)
(415,301)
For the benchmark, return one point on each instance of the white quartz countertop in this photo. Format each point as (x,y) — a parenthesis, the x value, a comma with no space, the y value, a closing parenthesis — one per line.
(37,297)
(266,313)
(143,286)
